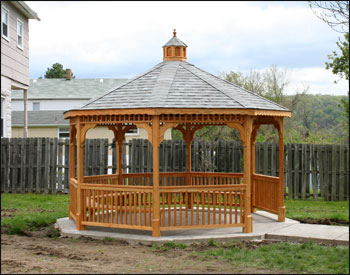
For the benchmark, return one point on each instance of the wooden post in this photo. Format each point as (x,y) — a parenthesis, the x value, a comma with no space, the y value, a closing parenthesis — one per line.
(253,167)
(119,157)
(156,195)
(25,119)
(72,141)
(247,174)
(80,175)
(281,207)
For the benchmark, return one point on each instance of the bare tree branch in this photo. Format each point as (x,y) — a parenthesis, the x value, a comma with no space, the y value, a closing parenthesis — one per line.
(333,13)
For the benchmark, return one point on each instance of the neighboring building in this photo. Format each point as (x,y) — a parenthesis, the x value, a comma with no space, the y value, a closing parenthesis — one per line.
(49,98)
(14,58)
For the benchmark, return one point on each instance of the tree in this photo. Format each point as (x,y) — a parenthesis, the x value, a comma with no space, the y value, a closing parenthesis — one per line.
(56,71)
(340,63)
(271,84)
(334,13)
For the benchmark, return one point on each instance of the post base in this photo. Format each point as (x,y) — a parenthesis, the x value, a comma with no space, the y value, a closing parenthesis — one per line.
(254,209)
(249,225)
(155,228)
(282,214)
(79,226)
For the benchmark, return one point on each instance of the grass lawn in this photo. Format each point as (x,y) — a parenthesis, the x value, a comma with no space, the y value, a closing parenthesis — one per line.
(25,212)
(298,209)
(289,257)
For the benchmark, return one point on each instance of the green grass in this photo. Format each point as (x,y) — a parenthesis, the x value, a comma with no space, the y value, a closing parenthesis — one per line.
(295,258)
(317,209)
(28,212)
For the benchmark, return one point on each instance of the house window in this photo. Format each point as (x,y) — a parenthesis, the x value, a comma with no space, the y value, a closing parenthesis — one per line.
(133,132)
(177,51)
(36,106)
(5,23)
(168,51)
(19,34)
(63,132)
(3,118)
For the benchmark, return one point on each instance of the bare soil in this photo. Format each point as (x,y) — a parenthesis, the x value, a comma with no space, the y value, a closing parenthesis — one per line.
(40,253)
(325,221)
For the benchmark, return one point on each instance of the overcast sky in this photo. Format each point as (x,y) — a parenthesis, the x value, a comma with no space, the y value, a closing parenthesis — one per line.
(123,39)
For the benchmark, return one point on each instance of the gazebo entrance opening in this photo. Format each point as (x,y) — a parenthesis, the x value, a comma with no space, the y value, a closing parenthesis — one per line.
(175,94)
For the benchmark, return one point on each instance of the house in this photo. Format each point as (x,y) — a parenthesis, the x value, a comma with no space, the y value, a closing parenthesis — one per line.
(49,98)
(14,59)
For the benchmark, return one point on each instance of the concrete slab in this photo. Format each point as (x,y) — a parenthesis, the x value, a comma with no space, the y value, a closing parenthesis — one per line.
(327,234)
(265,226)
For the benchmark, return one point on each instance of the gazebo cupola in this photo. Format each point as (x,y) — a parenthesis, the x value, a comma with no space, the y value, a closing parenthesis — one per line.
(174,49)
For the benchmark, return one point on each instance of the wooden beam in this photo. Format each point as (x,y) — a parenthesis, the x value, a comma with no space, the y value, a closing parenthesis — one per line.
(159,111)
(156,194)
(248,220)
(80,175)
(280,199)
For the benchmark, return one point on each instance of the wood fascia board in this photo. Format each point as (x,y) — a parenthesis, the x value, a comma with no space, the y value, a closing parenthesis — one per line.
(160,111)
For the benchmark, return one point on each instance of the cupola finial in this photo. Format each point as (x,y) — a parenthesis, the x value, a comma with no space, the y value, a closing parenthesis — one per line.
(174,32)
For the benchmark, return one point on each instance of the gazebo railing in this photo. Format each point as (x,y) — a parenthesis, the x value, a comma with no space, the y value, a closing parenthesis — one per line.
(265,192)
(168,179)
(117,206)
(213,200)
(201,207)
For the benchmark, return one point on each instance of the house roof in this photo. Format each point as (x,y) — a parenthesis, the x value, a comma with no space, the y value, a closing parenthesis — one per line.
(178,84)
(39,118)
(25,9)
(77,88)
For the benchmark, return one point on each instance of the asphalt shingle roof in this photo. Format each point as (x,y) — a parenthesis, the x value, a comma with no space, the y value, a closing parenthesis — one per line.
(39,118)
(82,88)
(178,84)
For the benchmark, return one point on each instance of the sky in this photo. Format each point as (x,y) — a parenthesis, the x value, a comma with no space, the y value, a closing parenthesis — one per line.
(108,39)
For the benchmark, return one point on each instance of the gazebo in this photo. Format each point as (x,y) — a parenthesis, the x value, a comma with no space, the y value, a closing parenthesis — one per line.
(174,94)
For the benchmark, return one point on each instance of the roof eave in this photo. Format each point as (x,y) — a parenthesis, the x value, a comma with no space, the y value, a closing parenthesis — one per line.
(157,111)
(26,10)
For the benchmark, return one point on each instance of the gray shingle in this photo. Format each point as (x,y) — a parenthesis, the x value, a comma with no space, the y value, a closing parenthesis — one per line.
(39,118)
(178,84)
(75,88)
(174,41)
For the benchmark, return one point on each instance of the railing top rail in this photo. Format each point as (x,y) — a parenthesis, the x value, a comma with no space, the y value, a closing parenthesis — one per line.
(199,188)
(260,176)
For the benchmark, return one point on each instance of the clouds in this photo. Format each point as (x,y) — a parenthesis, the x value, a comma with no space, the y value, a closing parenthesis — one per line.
(122,39)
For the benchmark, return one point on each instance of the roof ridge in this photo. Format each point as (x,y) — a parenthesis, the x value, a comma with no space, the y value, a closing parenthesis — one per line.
(211,84)
(172,82)
(132,79)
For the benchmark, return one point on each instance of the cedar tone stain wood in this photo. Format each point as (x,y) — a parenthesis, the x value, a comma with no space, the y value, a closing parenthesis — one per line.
(174,94)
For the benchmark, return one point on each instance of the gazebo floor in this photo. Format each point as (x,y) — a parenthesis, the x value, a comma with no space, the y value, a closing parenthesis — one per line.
(263,222)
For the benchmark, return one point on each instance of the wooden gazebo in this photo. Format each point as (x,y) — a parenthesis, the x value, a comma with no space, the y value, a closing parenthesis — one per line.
(174,94)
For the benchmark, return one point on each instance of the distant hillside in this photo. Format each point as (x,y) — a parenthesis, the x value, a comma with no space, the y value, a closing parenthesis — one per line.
(318,119)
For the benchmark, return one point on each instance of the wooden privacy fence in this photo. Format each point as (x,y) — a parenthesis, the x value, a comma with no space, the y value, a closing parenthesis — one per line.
(42,164)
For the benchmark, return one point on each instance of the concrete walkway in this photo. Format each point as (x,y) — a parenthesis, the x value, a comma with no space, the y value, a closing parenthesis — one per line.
(265,226)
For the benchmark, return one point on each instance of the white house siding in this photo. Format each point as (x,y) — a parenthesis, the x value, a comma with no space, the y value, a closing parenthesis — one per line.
(14,61)
(6,95)
(48,104)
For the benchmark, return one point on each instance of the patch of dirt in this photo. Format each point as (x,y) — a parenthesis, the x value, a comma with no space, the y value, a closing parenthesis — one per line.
(40,253)
(324,221)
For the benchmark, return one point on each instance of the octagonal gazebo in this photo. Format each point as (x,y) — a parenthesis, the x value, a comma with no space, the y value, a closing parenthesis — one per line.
(174,94)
